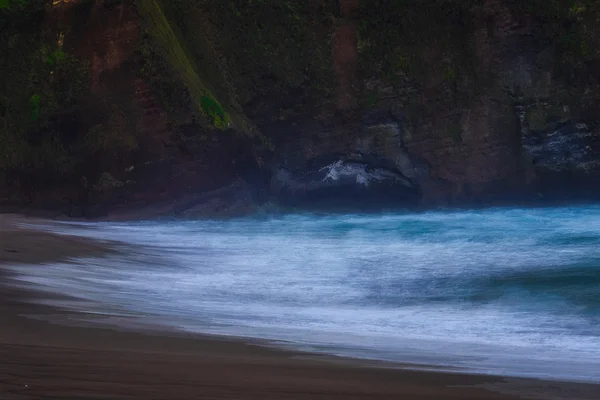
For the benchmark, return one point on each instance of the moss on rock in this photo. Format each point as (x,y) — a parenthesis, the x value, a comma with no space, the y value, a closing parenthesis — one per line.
(173,48)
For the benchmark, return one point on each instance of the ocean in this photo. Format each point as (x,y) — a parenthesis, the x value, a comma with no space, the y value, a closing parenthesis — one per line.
(501,291)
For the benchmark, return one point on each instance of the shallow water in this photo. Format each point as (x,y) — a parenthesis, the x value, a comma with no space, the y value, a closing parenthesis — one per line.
(501,291)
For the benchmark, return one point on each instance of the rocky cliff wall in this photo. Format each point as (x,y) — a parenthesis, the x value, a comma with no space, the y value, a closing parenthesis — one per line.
(442,102)
(472,101)
(142,130)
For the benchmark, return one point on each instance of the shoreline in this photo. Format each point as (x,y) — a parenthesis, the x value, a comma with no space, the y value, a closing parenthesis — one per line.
(45,359)
(165,210)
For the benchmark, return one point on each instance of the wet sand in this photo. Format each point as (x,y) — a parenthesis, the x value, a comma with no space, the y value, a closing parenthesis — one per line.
(41,358)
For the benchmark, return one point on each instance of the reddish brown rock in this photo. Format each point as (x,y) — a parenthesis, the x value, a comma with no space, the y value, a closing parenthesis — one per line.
(463,99)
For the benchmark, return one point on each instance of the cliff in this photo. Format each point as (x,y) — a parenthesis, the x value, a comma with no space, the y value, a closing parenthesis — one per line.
(212,107)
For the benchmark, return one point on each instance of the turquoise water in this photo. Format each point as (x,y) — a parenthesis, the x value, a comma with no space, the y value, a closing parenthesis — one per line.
(501,291)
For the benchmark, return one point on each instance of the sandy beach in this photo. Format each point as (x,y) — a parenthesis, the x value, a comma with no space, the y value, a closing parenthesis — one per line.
(42,358)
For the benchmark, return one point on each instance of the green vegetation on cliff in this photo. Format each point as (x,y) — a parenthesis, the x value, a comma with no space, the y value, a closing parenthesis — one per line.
(173,48)
(274,46)
(55,132)
(404,45)
(81,82)
(229,53)
(40,88)
(13,5)
(572,28)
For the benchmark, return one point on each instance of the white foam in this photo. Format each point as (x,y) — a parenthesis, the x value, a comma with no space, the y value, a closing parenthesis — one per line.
(401,287)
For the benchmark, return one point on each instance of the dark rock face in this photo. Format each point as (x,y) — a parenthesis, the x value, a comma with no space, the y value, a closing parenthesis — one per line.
(341,103)
(332,164)
(571,146)
(234,200)
(566,160)
(345,184)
